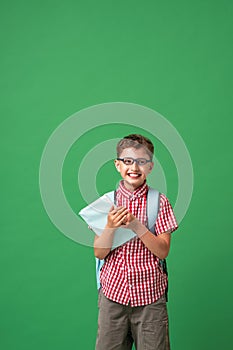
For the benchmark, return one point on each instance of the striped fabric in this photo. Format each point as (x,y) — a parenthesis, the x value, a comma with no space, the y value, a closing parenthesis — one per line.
(131,274)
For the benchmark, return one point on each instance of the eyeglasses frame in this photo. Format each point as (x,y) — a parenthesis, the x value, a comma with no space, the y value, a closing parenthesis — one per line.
(135,160)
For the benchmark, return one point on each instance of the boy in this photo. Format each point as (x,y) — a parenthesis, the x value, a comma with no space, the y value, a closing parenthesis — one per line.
(132,304)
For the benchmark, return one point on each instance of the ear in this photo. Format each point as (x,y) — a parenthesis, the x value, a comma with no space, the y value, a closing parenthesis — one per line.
(151,166)
(117,164)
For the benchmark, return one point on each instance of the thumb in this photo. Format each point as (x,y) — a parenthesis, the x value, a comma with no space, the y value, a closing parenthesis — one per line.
(112,207)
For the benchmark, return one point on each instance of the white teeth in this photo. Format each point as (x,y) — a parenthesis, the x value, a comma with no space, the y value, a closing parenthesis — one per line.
(134,175)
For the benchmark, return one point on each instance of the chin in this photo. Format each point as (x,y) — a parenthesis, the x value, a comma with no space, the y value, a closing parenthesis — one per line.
(134,184)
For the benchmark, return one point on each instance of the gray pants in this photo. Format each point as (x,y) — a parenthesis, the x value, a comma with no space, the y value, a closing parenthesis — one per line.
(119,326)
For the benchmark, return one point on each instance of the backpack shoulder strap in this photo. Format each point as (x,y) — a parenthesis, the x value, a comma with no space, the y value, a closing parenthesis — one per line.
(153,200)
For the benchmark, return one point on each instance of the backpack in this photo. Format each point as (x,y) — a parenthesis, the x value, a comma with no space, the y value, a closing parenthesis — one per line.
(153,200)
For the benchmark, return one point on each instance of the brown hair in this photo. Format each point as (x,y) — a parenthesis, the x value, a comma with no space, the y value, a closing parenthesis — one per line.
(135,141)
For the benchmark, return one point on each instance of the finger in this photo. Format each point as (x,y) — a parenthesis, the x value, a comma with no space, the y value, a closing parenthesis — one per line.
(124,220)
(120,221)
(111,209)
(118,216)
(121,210)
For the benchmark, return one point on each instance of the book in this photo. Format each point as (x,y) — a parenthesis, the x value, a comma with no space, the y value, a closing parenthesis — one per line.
(95,215)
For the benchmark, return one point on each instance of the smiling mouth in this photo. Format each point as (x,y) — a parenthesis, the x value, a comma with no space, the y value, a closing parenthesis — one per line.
(134,175)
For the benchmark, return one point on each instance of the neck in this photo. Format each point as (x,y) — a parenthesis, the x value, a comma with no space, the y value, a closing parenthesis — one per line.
(130,187)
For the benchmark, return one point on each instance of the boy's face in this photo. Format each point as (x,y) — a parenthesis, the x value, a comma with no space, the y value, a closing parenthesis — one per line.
(134,175)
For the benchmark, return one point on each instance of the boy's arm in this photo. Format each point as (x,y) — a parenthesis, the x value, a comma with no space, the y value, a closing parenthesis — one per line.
(158,245)
(165,224)
(103,243)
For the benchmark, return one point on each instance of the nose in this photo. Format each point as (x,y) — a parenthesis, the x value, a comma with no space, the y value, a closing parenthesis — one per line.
(134,165)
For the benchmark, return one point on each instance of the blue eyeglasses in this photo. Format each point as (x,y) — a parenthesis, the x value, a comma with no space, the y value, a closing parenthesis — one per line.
(130,161)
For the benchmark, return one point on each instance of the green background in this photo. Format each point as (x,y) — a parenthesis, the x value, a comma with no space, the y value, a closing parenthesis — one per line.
(59,57)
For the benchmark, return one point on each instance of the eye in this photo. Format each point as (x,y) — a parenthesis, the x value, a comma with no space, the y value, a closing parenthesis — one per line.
(128,161)
(142,161)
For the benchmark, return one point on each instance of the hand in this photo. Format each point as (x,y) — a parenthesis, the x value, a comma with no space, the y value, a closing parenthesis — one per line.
(116,217)
(129,219)
(135,225)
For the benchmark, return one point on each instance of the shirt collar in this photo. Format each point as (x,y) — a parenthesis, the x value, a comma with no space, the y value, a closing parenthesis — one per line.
(139,192)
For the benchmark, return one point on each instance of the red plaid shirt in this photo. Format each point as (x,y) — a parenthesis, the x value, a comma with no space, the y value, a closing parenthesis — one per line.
(131,274)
